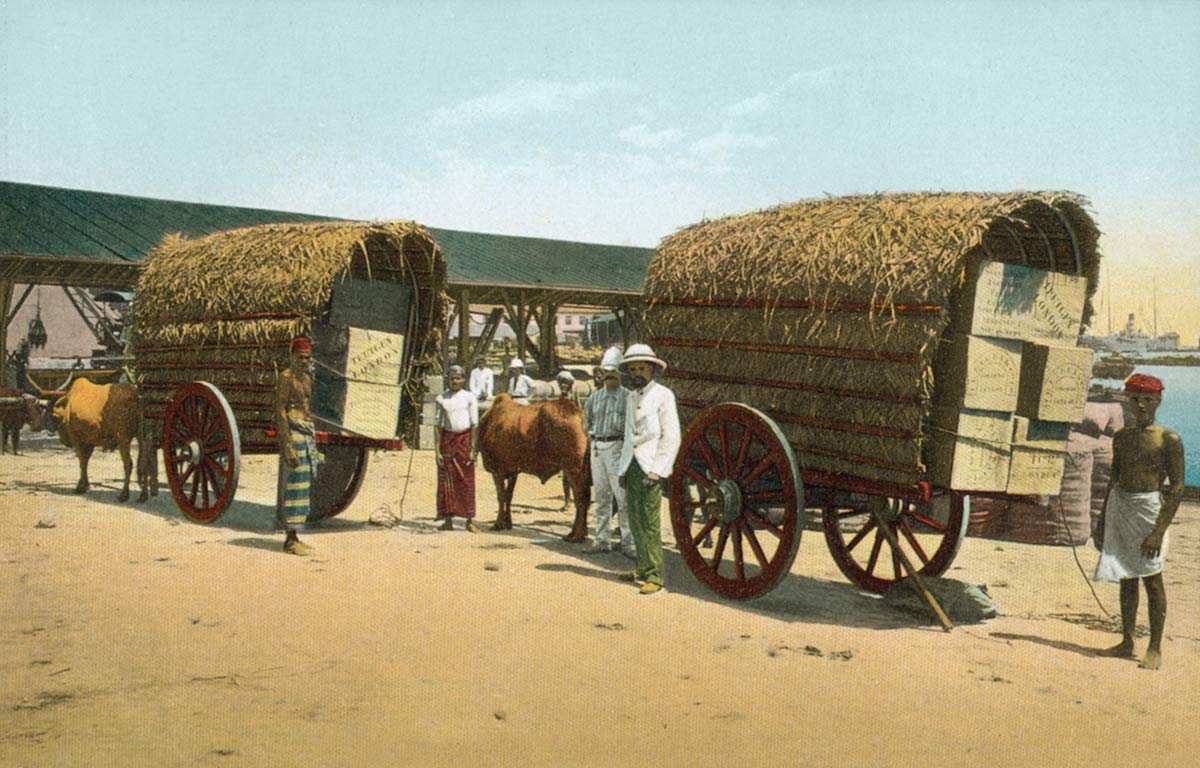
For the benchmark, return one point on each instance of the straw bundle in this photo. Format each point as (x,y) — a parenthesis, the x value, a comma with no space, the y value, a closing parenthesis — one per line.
(827,313)
(223,308)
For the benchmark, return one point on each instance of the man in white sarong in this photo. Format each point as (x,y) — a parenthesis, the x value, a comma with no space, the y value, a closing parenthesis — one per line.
(1132,530)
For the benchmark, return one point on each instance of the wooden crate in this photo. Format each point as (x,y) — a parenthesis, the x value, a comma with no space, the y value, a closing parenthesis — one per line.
(1039,453)
(356,384)
(1013,301)
(969,450)
(978,373)
(359,350)
(1054,382)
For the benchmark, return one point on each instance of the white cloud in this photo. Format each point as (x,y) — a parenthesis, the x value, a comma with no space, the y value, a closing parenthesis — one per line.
(525,97)
(642,137)
(759,102)
(725,141)
(764,101)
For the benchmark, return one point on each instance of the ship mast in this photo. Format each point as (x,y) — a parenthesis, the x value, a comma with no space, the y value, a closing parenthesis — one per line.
(1108,300)
(1154,283)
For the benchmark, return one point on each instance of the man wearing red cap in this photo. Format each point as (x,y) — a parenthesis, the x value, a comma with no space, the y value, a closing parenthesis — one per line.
(297,443)
(1131,533)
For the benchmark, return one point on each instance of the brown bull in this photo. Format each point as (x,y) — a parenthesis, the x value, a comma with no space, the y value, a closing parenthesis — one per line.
(540,439)
(16,410)
(106,416)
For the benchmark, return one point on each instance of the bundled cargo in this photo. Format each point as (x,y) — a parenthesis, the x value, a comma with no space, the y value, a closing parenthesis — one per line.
(859,356)
(1039,451)
(1054,382)
(1018,301)
(222,308)
(970,449)
(840,318)
(213,324)
(979,372)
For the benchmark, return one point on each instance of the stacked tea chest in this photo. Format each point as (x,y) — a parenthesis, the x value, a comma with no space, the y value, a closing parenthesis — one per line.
(1011,381)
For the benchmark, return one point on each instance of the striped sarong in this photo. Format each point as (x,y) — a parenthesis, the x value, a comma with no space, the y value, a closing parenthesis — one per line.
(295,487)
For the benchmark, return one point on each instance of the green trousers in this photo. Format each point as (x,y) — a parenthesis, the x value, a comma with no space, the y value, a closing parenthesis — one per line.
(642,503)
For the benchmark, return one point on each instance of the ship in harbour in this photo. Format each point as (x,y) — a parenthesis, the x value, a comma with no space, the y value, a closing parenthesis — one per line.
(1130,340)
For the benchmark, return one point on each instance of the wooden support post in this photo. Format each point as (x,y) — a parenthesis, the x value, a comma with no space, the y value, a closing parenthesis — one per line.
(448,320)
(522,325)
(878,504)
(623,321)
(6,291)
(549,339)
(486,335)
(12,313)
(464,327)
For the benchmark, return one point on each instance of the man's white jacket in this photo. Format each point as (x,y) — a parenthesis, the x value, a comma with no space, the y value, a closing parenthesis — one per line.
(651,430)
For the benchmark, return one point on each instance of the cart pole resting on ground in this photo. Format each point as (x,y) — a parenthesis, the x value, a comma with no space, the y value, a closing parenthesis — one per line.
(814,352)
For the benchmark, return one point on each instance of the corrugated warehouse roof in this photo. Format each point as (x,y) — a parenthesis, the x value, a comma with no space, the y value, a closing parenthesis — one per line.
(70,236)
(484,261)
(50,223)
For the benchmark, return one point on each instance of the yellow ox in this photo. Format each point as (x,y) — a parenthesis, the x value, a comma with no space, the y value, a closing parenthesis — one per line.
(105,416)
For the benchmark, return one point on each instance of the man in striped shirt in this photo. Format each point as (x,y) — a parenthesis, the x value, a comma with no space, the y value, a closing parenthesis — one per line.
(604,414)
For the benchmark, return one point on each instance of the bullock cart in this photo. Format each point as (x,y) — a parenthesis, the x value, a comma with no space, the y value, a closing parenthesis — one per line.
(213,320)
(812,353)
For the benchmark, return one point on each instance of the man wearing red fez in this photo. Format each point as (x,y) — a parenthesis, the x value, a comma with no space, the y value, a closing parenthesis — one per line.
(297,443)
(1131,533)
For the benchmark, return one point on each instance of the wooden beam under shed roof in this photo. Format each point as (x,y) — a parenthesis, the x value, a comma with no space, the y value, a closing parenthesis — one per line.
(562,296)
(84,273)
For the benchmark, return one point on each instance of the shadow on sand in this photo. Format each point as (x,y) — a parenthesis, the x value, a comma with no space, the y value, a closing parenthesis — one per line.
(1060,645)
(794,598)
(242,516)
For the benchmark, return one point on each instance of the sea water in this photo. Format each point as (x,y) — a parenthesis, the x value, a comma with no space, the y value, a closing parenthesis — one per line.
(1180,409)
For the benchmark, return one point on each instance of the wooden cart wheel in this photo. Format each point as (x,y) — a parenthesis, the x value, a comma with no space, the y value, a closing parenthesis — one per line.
(736,478)
(202,451)
(337,481)
(929,533)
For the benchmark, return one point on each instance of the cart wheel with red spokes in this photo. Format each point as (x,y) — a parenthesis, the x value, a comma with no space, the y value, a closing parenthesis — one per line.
(736,478)
(337,481)
(201,450)
(929,533)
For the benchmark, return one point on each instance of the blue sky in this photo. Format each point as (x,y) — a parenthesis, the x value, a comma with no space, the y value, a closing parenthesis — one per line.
(620,122)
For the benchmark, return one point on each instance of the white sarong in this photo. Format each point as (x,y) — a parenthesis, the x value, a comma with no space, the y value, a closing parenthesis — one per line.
(1128,520)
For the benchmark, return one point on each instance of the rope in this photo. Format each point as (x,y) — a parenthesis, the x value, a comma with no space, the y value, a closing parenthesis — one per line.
(344,377)
(1002,443)
(1062,515)
(407,478)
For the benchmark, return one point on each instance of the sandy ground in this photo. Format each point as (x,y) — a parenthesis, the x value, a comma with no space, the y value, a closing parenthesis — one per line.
(133,637)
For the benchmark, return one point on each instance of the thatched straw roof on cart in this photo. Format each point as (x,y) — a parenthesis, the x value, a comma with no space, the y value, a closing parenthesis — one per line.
(223,308)
(827,313)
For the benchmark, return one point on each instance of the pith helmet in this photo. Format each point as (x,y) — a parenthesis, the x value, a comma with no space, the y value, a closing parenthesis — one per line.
(565,376)
(517,363)
(641,353)
(611,360)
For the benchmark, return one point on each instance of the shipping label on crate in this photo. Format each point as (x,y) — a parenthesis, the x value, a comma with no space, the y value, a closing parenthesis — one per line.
(978,373)
(970,450)
(356,384)
(374,356)
(1017,302)
(1054,382)
(1038,457)
(372,410)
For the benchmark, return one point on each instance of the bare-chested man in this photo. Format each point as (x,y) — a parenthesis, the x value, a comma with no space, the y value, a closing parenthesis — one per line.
(297,444)
(1138,506)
